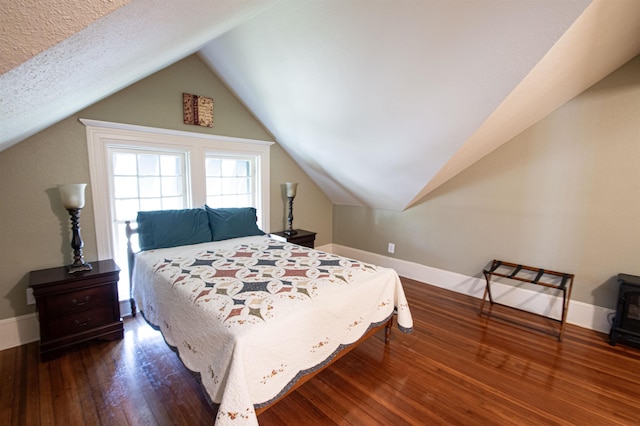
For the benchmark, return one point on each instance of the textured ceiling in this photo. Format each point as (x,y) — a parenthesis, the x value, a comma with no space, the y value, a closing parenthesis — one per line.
(111,53)
(379,101)
(29,27)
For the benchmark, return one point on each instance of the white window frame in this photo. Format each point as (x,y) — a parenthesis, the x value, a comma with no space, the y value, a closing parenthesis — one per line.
(103,134)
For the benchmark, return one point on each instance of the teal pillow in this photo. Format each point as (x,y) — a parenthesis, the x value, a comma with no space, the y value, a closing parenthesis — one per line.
(226,223)
(171,228)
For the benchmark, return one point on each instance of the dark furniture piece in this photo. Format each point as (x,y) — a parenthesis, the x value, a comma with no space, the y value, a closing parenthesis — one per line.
(626,324)
(301,237)
(74,308)
(542,277)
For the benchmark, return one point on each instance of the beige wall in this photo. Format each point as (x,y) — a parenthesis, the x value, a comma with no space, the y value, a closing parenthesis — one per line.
(34,230)
(564,195)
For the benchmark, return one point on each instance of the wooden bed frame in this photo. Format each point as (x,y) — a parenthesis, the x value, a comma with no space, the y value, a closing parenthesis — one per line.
(131,259)
(386,325)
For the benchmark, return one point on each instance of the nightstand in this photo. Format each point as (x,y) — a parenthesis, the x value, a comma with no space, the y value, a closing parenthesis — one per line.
(75,308)
(302,237)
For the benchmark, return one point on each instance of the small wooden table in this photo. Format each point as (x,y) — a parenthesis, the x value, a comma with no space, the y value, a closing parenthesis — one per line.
(301,237)
(74,308)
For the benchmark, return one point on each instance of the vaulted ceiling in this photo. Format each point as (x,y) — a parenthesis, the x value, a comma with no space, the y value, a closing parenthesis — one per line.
(380,102)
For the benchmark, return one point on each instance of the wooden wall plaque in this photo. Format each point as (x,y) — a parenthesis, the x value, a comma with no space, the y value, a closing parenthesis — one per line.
(197,110)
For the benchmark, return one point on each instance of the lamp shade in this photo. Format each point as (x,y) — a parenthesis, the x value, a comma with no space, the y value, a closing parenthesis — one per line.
(291,189)
(72,195)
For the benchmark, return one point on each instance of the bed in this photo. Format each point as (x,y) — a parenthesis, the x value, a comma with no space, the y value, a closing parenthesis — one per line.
(252,316)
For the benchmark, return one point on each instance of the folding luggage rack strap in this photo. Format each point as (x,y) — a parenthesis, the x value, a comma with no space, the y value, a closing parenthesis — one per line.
(561,281)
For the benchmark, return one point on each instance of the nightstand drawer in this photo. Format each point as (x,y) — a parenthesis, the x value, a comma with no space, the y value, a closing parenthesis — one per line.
(80,321)
(81,300)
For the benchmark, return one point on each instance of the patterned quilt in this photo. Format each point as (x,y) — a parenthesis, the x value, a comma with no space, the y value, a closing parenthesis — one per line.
(253,315)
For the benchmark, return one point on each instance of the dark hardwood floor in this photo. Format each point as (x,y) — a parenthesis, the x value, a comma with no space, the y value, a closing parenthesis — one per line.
(455,368)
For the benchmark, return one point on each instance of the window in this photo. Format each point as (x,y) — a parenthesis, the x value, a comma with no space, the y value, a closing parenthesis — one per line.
(146,180)
(135,168)
(141,179)
(230,181)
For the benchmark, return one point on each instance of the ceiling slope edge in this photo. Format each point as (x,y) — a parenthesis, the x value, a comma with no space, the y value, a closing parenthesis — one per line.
(601,40)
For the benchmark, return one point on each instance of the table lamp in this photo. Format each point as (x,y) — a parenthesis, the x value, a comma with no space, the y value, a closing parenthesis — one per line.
(73,200)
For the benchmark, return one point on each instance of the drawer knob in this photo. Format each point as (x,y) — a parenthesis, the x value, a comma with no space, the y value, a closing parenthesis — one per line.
(81,302)
(83,323)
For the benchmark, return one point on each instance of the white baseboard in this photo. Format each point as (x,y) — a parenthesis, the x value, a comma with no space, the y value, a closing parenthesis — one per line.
(19,331)
(543,302)
(25,329)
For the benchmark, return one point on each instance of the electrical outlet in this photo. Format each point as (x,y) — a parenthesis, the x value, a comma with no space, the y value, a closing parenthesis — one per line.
(391,248)
(30,299)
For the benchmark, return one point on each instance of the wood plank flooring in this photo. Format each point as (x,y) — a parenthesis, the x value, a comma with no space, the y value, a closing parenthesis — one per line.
(456,368)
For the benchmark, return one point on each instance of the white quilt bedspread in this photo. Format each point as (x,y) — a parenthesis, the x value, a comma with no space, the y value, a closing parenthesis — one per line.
(252,315)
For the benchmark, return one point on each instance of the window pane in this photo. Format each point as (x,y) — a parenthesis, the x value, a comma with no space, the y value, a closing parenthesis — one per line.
(173,203)
(149,187)
(148,165)
(228,186)
(243,168)
(171,186)
(125,187)
(126,209)
(230,182)
(170,165)
(243,185)
(214,186)
(214,201)
(212,166)
(148,204)
(124,164)
(228,167)
(230,201)
(244,201)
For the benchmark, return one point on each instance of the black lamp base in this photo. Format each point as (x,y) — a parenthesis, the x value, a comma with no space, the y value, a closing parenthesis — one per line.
(78,264)
(290,232)
(72,269)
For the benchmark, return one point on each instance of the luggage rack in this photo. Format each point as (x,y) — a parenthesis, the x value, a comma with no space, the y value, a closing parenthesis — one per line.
(543,277)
